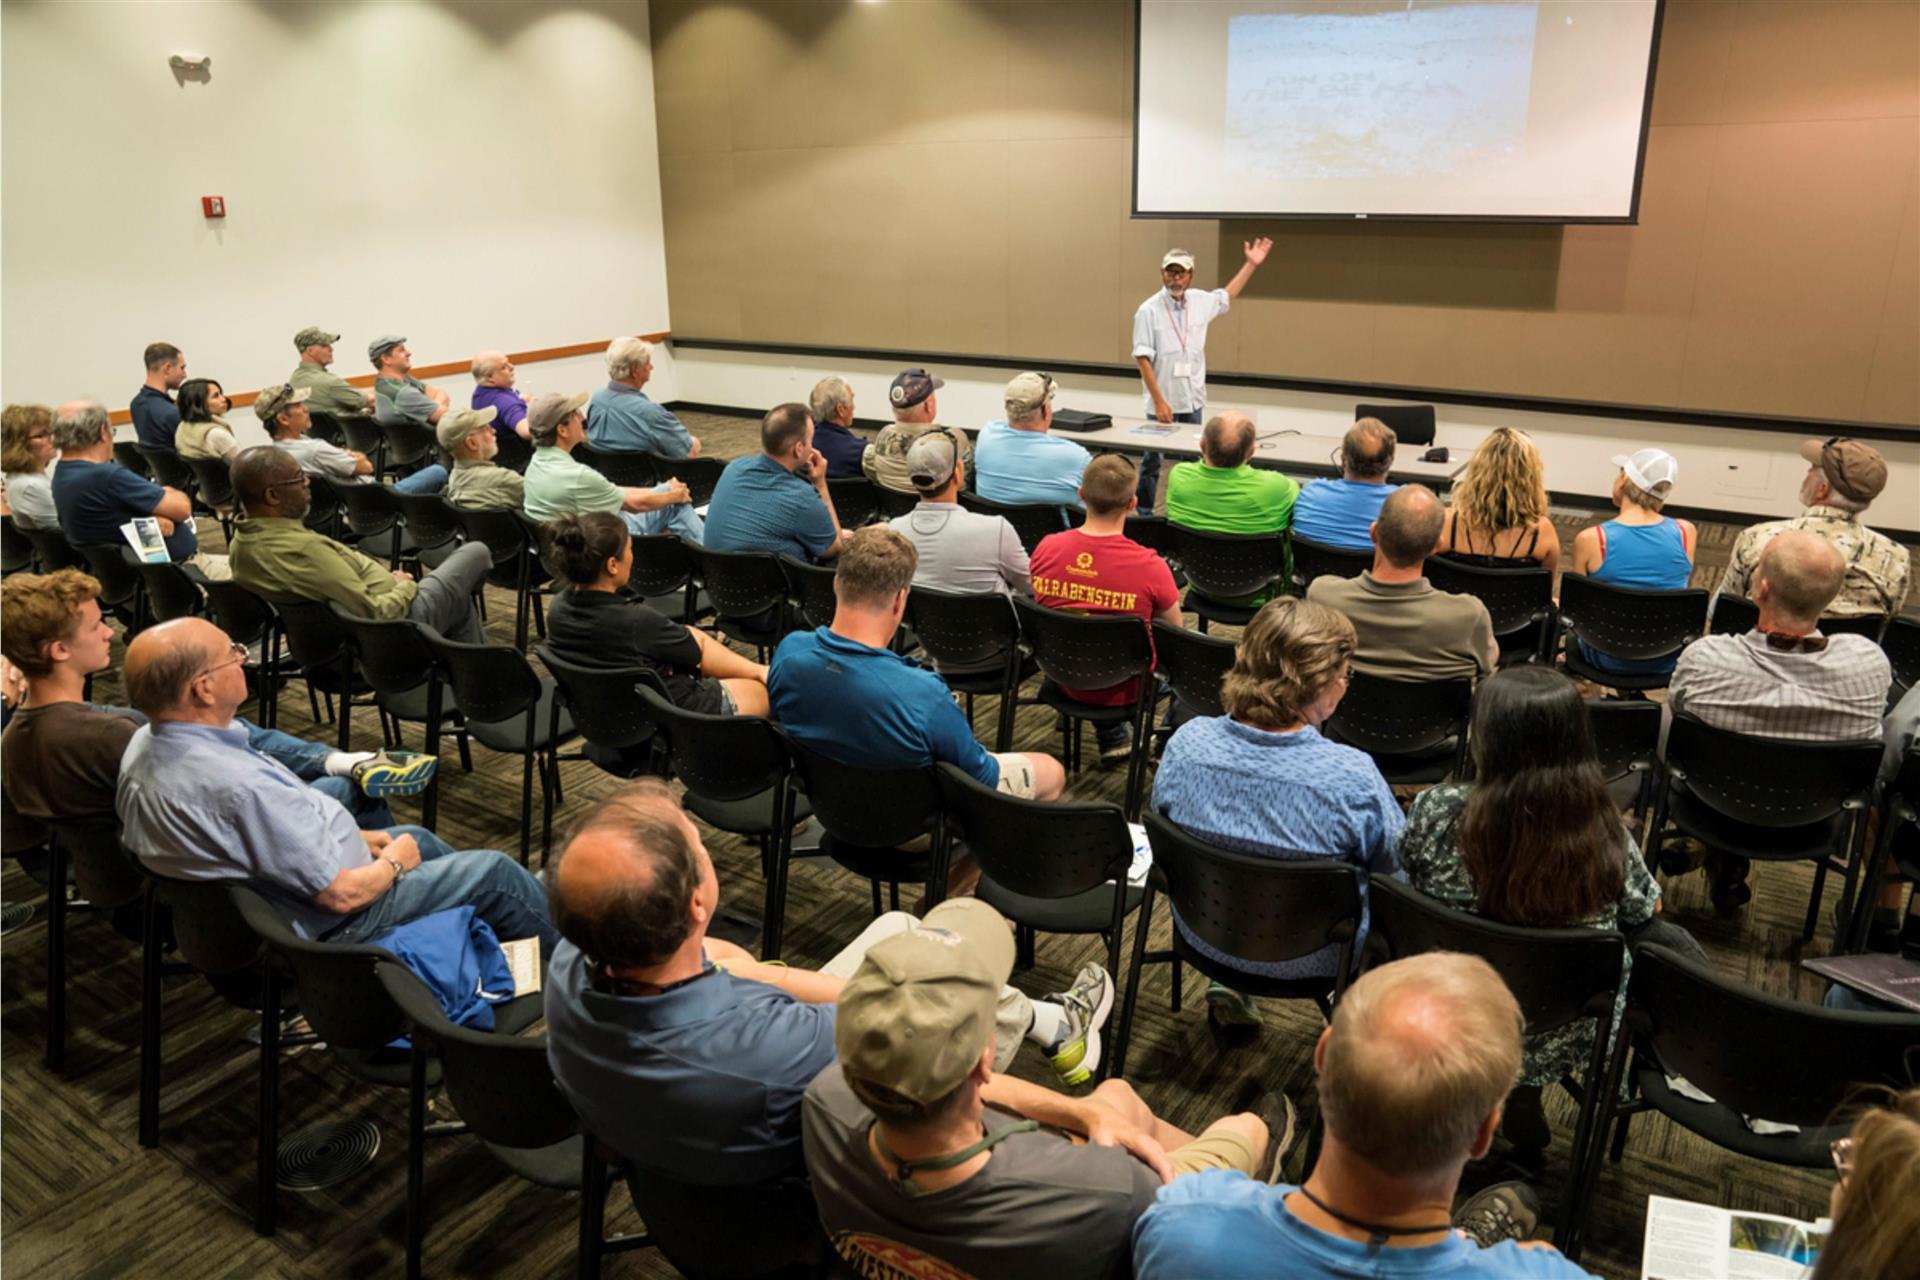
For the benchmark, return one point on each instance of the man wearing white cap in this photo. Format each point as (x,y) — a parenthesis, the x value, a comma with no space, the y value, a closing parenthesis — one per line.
(1639,547)
(1170,344)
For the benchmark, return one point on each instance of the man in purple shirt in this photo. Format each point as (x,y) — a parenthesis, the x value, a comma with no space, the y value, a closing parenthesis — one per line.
(493,389)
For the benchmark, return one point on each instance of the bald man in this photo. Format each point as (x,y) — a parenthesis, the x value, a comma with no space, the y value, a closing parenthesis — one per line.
(1414,1072)
(1224,492)
(493,376)
(198,803)
(680,1050)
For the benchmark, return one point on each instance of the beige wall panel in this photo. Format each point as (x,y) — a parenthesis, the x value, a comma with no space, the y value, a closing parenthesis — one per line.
(1062,273)
(1486,265)
(1450,346)
(1696,39)
(1310,309)
(1070,71)
(1893,386)
(702,224)
(1647,269)
(1622,359)
(1785,321)
(1305,338)
(949,244)
(692,60)
(1824,60)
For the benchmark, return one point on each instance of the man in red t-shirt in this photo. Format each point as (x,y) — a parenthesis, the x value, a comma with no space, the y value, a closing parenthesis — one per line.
(1098,569)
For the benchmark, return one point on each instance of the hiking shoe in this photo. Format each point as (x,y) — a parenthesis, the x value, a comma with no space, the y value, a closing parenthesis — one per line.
(1087,1002)
(1229,1008)
(1115,747)
(1284,1131)
(395,773)
(1504,1211)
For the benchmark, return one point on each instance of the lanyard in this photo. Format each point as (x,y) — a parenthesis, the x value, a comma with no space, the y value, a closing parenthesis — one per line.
(1179,326)
(905,1169)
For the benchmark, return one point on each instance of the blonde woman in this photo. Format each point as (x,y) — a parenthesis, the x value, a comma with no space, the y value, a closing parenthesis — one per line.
(1498,513)
(26,456)
(1876,1204)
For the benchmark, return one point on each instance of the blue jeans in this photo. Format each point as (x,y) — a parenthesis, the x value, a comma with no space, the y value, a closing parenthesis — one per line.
(308,762)
(679,518)
(430,479)
(501,891)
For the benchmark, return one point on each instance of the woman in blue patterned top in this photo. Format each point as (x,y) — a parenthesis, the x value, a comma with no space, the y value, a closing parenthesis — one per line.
(1261,779)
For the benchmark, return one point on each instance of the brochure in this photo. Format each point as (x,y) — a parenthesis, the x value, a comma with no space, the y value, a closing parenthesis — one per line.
(143,535)
(523,957)
(1689,1241)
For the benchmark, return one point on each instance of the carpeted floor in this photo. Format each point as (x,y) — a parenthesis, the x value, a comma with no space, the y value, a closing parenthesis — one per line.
(79,1197)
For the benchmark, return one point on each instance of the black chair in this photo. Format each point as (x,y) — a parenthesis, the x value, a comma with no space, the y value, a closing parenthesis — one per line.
(364,436)
(607,711)
(410,446)
(170,469)
(1415,730)
(1518,600)
(809,592)
(172,592)
(516,563)
(1411,423)
(631,470)
(326,508)
(515,452)
(749,594)
(1224,567)
(974,640)
(1087,652)
(325,426)
(108,879)
(762,1231)
(1626,737)
(663,567)
(1316,559)
(1558,976)
(1733,616)
(1769,799)
(16,549)
(214,481)
(868,814)
(121,589)
(1755,1054)
(1193,666)
(1901,641)
(856,500)
(1149,531)
(398,664)
(1031,521)
(52,550)
(320,644)
(432,525)
(700,475)
(377,520)
(511,710)
(251,621)
(892,503)
(132,457)
(1255,907)
(1630,624)
(1898,848)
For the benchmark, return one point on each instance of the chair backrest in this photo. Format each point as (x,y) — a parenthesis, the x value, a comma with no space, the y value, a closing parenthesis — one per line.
(962,630)
(119,572)
(392,654)
(53,551)
(741,584)
(764,1230)
(171,591)
(431,520)
(661,565)
(623,467)
(720,758)
(810,590)
(856,500)
(105,870)
(1149,531)
(1628,622)
(132,457)
(371,508)
(490,682)
(1557,975)
(364,436)
(1869,625)
(326,507)
(1733,616)
(1085,651)
(515,452)
(340,993)
(1516,598)
(324,426)
(872,808)
(214,480)
(1774,1059)
(1194,665)
(16,549)
(208,928)
(315,635)
(1031,521)
(511,542)
(1316,560)
(1626,735)
(500,1084)
(1226,566)
(700,475)
(1770,782)
(893,503)
(1401,717)
(408,442)
(1901,641)
(606,702)
(1252,907)
(168,468)
(1411,423)
(243,615)
(1039,849)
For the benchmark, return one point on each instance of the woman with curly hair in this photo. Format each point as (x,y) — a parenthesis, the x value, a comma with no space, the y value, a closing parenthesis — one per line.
(1498,514)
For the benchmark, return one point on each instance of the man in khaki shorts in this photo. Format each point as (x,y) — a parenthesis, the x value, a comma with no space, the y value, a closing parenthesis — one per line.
(923,1156)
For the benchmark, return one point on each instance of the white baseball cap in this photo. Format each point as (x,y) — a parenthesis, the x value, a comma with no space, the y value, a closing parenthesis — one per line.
(1177,258)
(1649,469)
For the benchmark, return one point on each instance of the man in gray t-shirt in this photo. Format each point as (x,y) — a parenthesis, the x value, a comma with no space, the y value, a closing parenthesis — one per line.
(398,396)
(960,550)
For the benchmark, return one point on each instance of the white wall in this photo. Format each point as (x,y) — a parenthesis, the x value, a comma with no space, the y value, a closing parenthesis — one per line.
(470,174)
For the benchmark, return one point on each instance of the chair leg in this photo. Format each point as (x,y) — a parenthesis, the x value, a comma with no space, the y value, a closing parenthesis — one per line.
(1177,981)
(593,1210)
(416,1157)
(56,1049)
(549,791)
(876,899)
(266,1189)
(526,802)
(149,1123)
(1132,992)
(1813,901)
(893,895)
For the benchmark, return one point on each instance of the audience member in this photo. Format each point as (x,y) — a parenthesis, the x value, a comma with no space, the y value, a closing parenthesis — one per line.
(841,691)
(283,412)
(1408,630)
(27,457)
(556,485)
(1223,492)
(94,495)
(1784,679)
(1638,548)
(1534,840)
(477,482)
(777,500)
(328,392)
(1261,779)
(1019,461)
(203,431)
(493,376)
(196,802)
(1875,1204)
(278,557)
(153,412)
(831,404)
(398,396)
(1497,513)
(681,1051)
(926,1161)
(1844,476)
(959,550)
(620,416)
(1097,568)
(1414,1068)
(914,404)
(1339,513)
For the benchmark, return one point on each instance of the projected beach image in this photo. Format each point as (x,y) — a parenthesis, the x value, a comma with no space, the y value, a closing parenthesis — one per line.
(1427,89)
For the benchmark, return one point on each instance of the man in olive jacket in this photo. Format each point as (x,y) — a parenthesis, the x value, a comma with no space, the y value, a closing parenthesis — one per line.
(277,557)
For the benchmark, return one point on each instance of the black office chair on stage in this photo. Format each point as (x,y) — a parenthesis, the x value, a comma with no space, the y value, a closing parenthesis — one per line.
(1411,423)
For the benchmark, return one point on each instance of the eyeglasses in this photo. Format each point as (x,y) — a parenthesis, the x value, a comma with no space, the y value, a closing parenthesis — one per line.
(1842,1152)
(236,656)
(39,435)
(300,479)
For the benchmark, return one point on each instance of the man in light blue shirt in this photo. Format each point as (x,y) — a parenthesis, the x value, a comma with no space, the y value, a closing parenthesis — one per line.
(777,500)
(196,802)
(622,419)
(1414,1071)
(1017,462)
(1340,513)
(555,485)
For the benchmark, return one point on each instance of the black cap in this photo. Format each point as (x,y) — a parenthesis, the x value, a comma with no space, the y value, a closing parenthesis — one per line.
(911,387)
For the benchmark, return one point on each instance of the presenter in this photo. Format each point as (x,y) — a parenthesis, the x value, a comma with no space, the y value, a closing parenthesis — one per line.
(1170,345)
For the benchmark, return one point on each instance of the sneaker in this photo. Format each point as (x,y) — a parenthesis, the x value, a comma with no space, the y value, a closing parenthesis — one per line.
(1116,743)
(1229,1008)
(1087,1002)
(1283,1131)
(395,773)
(1504,1211)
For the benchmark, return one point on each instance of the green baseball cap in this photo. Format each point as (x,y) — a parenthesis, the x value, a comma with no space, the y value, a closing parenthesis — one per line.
(273,399)
(313,336)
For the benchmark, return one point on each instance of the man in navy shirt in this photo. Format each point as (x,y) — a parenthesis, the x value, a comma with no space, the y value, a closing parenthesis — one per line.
(155,418)
(832,404)
(94,495)
(777,500)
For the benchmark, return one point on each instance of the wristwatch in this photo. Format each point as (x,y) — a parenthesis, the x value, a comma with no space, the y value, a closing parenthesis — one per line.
(399,872)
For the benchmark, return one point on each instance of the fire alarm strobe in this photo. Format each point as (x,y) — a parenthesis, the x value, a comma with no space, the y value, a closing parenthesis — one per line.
(213,206)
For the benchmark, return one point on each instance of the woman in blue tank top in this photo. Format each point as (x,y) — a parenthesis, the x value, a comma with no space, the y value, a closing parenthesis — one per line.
(1639,547)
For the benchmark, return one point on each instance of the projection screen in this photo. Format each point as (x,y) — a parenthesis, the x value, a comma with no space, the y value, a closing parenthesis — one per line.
(1488,110)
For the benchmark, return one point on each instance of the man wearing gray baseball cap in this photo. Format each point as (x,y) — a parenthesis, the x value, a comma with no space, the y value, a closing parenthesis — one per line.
(398,396)
(327,392)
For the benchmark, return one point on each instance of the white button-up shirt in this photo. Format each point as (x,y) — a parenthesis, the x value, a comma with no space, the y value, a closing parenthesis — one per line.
(1174,335)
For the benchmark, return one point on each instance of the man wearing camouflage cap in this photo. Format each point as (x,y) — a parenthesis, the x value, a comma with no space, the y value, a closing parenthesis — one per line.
(398,396)
(326,392)
(1844,476)
(283,411)
(921,1154)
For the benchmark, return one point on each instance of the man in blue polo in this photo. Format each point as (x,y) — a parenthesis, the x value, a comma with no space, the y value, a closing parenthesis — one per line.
(777,500)
(1340,513)
(621,418)
(155,418)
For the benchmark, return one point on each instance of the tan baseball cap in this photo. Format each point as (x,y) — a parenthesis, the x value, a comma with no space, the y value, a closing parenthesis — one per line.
(313,336)
(1028,391)
(919,1011)
(1852,467)
(547,412)
(457,424)
(1177,258)
(273,399)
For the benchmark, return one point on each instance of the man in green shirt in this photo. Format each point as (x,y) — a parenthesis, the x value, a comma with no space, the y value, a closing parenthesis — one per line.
(1223,493)
(328,392)
(556,485)
(477,482)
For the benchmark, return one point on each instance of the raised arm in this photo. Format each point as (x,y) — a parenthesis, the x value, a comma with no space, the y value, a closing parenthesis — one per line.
(1256,251)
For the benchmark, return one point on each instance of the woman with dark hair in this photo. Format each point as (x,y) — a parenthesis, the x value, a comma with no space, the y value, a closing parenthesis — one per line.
(1536,841)
(597,622)
(203,431)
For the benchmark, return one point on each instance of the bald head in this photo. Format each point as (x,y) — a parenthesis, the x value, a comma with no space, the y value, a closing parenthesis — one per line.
(1227,441)
(1409,526)
(627,886)
(265,482)
(492,368)
(1800,573)
(1366,451)
(164,661)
